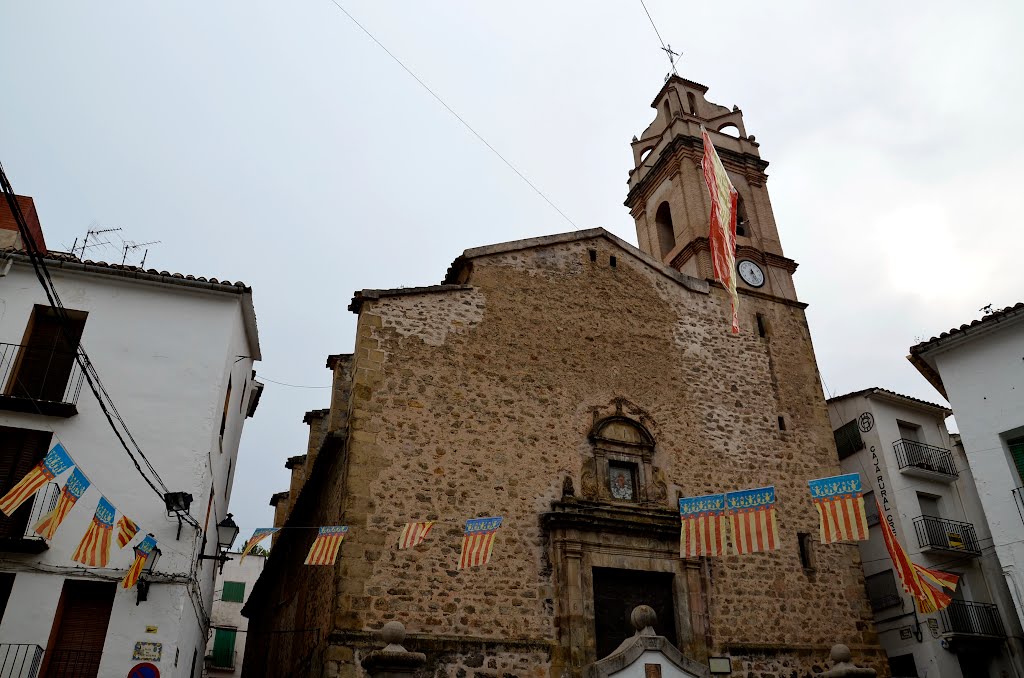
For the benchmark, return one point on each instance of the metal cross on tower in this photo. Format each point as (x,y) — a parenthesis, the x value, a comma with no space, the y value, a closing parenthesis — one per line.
(672,56)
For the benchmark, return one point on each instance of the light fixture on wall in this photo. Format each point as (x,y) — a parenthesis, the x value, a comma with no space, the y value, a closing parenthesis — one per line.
(142,586)
(227,532)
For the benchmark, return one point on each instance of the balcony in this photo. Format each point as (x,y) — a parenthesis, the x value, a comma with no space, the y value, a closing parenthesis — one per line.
(972,620)
(16,533)
(39,380)
(61,663)
(925,461)
(20,661)
(939,534)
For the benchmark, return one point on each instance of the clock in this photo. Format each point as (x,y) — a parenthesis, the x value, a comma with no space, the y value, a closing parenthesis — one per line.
(750,272)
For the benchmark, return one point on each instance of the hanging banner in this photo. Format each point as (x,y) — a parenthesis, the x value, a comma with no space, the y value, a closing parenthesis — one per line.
(126,531)
(53,464)
(703,526)
(752,516)
(722,231)
(477,541)
(918,580)
(73,490)
(324,550)
(840,504)
(413,534)
(142,554)
(259,535)
(94,549)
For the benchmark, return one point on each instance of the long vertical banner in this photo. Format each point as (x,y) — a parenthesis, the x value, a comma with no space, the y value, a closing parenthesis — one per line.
(703,529)
(840,504)
(752,514)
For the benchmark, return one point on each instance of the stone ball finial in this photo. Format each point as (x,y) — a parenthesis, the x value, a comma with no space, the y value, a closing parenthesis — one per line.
(643,618)
(841,654)
(393,633)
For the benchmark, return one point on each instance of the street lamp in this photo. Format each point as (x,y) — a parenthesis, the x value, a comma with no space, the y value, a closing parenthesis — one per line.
(142,586)
(227,532)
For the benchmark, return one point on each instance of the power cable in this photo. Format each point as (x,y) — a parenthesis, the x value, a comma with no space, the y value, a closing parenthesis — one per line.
(457,116)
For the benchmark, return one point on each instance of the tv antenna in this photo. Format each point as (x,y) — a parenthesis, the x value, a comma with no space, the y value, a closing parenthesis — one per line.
(91,233)
(131,246)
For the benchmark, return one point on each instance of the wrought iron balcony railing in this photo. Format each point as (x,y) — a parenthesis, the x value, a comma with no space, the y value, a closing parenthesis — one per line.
(61,663)
(39,379)
(974,619)
(16,533)
(947,535)
(913,455)
(20,660)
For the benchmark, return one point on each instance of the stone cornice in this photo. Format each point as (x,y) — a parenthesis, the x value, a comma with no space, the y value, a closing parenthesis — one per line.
(613,518)
(702,244)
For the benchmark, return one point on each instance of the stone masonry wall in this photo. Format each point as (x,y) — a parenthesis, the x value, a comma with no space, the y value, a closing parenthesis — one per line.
(478,402)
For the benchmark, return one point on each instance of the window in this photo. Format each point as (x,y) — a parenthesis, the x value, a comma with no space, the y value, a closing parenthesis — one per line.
(762,325)
(782,423)
(668,112)
(871,508)
(79,629)
(20,450)
(909,431)
(666,232)
(929,505)
(903,666)
(741,217)
(848,439)
(234,592)
(806,550)
(224,649)
(46,358)
(224,417)
(622,481)
(882,590)
(617,592)
(692,101)
(1016,447)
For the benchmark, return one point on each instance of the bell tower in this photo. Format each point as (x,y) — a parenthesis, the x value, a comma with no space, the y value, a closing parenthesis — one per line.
(670,203)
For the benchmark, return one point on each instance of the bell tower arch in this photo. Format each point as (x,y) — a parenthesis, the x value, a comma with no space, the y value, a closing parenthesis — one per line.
(669,201)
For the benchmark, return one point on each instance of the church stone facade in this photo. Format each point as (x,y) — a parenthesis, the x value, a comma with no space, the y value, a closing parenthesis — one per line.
(576,386)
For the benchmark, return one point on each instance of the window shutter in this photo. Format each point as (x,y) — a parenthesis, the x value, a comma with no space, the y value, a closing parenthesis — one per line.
(82,620)
(1017,453)
(848,439)
(224,648)
(20,450)
(234,592)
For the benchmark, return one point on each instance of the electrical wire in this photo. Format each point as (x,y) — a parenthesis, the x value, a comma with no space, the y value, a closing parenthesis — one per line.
(457,116)
(281,383)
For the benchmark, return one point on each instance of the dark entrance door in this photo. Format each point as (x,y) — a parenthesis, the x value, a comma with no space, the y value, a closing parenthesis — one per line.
(617,592)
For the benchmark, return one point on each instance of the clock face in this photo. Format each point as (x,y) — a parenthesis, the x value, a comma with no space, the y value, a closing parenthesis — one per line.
(751,273)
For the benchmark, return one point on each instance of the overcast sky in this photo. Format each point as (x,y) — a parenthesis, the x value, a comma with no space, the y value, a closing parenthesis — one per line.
(275,143)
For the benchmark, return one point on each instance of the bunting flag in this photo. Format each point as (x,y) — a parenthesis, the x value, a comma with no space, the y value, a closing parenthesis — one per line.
(840,504)
(703,530)
(126,530)
(94,549)
(413,534)
(259,535)
(53,464)
(722,230)
(477,541)
(142,553)
(924,584)
(752,514)
(324,550)
(74,488)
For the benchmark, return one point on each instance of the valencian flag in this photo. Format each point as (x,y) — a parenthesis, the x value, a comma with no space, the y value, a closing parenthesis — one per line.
(53,464)
(703,531)
(924,584)
(94,549)
(723,223)
(126,530)
(324,550)
(142,553)
(840,505)
(259,535)
(73,490)
(477,541)
(752,514)
(413,534)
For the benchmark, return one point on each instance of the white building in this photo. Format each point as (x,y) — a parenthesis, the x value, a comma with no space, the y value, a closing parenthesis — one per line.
(175,353)
(908,462)
(227,639)
(979,368)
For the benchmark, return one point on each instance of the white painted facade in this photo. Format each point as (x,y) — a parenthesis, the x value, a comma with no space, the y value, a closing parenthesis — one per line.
(165,349)
(228,614)
(980,370)
(914,469)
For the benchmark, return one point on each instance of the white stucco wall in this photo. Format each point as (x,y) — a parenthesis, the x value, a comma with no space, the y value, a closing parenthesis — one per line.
(227,614)
(638,668)
(164,353)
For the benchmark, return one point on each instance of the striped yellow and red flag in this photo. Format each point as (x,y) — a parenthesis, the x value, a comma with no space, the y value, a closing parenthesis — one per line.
(722,232)
(924,584)
(478,541)
(126,531)
(53,464)
(324,550)
(752,516)
(94,549)
(142,554)
(703,526)
(413,534)
(258,535)
(840,504)
(73,490)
